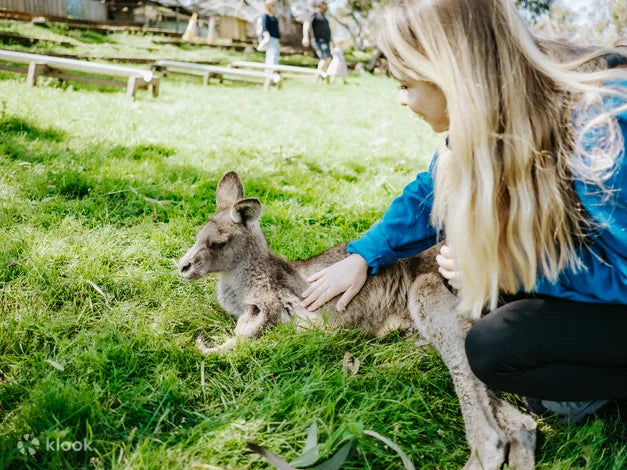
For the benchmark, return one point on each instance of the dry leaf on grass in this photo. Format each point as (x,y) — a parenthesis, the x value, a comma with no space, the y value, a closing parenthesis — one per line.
(350,364)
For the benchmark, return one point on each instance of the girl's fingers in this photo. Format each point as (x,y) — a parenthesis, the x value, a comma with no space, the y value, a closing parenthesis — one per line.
(322,299)
(315,295)
(345,299)
(311,298)
(316,276)
(450,275)
(446,251)
(446,263)
(313,287)
(315,306)
(308,301)
(447,266)
(322,295)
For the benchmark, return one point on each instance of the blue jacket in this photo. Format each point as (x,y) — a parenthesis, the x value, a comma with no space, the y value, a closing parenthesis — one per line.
(405,230)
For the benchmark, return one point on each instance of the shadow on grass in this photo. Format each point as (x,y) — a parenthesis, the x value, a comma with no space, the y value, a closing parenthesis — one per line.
(84,35)
(11,127)
(24,141)
(78,184)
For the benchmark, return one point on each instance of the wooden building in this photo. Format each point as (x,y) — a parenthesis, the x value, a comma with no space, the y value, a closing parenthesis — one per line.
(57,8)
(232,27)
(90,10)
(234,20)
(145,11)
(164,14)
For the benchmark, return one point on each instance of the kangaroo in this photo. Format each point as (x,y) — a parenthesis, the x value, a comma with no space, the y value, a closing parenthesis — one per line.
(261,289)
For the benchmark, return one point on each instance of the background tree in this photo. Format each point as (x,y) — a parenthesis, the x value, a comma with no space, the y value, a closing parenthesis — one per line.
(357,17)
(595,22)
(535,8)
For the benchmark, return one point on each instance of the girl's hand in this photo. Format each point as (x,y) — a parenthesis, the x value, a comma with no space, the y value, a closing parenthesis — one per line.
(348,276)
(447,266)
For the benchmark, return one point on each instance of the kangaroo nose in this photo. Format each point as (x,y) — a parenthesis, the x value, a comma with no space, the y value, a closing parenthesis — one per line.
(186,267)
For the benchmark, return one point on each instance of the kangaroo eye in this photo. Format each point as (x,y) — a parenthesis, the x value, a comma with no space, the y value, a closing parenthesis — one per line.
(217,245)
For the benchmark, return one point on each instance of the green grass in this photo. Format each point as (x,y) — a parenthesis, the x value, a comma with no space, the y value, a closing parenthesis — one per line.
(97,327)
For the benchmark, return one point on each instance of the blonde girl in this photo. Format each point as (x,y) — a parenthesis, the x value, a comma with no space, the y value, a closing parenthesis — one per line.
(530,193)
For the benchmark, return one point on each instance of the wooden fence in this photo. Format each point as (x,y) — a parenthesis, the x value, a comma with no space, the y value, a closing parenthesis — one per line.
(44,7)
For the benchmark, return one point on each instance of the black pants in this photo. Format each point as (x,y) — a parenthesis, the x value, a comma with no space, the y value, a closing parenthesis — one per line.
(552,349)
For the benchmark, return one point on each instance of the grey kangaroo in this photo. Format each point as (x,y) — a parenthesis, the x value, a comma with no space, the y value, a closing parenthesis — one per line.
(261,289)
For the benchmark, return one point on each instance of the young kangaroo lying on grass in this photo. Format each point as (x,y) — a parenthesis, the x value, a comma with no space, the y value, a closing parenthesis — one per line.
(262,289)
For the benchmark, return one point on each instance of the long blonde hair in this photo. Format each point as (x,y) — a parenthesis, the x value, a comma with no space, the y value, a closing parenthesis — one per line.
(504,192)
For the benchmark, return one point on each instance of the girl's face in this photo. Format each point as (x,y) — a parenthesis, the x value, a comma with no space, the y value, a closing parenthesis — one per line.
(427,100)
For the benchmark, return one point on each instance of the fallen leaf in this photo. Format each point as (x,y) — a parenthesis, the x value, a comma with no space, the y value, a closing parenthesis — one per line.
(350,364)
(55,364)
(97,289)
(149,199)
(406,462)
(310,452)
(274,459)
(206,466)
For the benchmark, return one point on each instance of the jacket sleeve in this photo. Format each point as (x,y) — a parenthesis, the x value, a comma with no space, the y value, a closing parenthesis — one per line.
(264,22)
(405,228)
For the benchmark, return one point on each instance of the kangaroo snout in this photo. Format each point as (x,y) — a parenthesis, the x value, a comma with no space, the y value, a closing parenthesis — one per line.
(184,267)
(189,267)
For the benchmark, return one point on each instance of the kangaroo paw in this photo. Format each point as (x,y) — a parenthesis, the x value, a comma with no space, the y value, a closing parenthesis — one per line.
(200,344)
(520,429)
(204,349)
(522,445)
(491,459)
(490,454)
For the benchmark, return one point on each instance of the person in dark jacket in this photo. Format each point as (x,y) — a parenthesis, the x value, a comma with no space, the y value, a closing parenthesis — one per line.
(270,34)
(317,25)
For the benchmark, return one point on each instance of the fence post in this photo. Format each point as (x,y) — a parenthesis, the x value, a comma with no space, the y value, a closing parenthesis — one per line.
(35,69)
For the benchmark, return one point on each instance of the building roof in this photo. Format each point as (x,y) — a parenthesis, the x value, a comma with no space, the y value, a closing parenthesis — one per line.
(170,4)
(238,9)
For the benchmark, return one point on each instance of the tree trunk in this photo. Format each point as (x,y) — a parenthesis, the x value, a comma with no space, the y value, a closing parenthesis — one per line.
(291,30)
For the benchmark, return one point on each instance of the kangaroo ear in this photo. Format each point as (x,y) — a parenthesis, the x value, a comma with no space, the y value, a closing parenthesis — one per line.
(246,211)
(230,190)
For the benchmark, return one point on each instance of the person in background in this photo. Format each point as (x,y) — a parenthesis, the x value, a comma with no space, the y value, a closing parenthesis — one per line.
(337,67)
(270,34)
(318,24)
(190,32)
(212,33)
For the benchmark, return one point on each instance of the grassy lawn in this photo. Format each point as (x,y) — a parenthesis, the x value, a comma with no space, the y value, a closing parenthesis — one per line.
(97,327)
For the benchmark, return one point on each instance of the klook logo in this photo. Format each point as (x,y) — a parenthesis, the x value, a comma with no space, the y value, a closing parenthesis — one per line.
(66,446)
(28,446)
